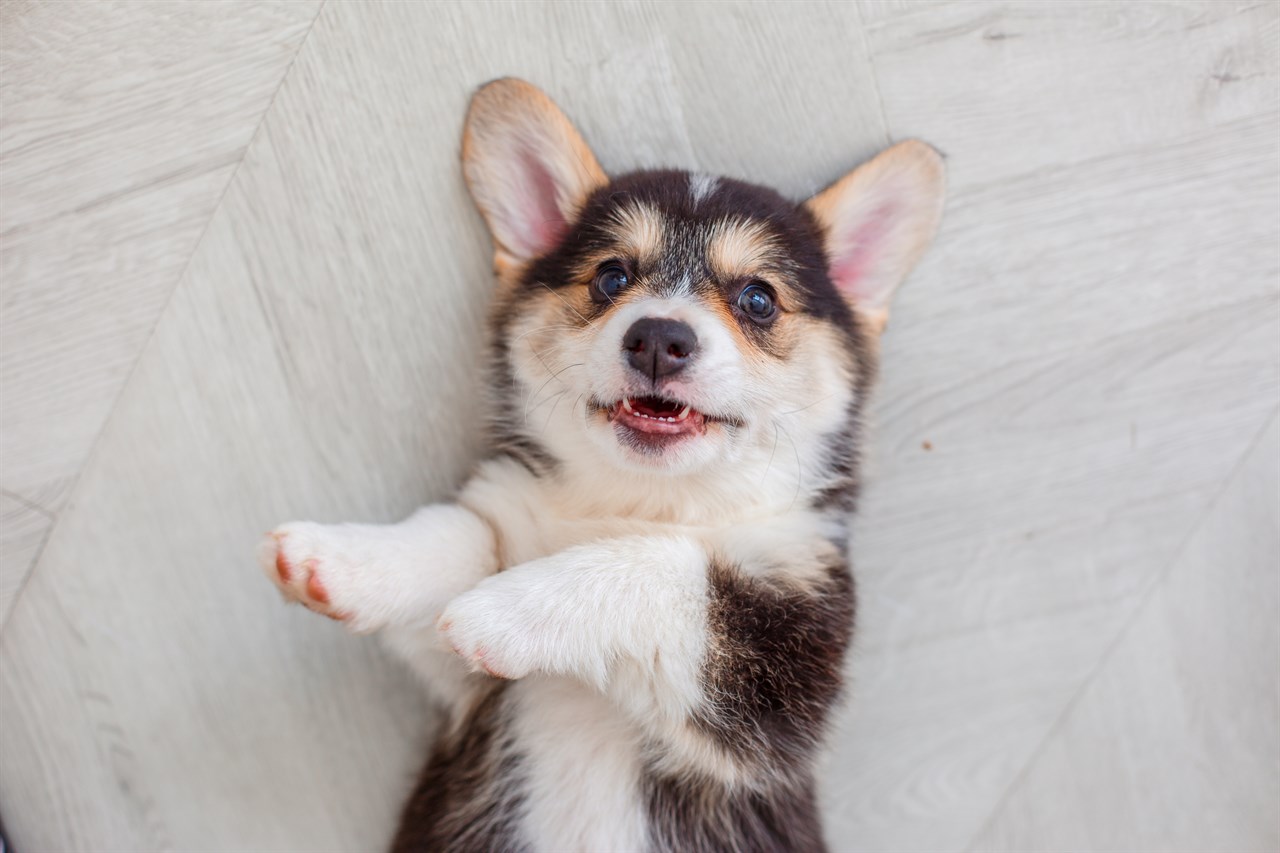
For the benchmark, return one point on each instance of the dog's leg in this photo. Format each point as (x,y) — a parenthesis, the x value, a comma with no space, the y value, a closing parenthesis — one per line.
(396,577)
(723,667)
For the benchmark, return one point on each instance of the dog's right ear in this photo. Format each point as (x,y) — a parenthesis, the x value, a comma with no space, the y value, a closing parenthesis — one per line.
(527,168)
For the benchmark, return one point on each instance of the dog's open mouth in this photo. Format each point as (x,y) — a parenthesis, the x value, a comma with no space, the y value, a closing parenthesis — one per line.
(657,417)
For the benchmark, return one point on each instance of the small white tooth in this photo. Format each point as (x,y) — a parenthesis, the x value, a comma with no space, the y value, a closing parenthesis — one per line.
(626,403)
(684,413)
(672,420)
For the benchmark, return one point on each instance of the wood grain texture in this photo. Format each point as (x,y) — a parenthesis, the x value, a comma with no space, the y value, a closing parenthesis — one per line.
(1174,744)
(1089,351)
(1085,383)
(1006,88)
(122,123)
(23,527)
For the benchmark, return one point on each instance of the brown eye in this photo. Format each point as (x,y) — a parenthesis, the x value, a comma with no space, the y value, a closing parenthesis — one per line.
(756,301)
(610,281)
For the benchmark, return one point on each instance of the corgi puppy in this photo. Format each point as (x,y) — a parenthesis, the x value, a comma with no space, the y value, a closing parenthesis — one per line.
(637,610)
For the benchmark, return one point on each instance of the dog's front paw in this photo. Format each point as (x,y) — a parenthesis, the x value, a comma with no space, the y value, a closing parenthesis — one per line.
(314,565)
(489,635)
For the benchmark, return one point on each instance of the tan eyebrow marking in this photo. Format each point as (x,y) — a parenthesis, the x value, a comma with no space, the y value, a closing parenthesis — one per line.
(639,230)
(739,247)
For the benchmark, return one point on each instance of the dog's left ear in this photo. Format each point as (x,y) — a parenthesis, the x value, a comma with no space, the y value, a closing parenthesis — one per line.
(527,168)
(877,221)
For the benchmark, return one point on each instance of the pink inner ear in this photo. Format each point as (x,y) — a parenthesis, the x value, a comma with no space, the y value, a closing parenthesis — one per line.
(541,224)
(857,252)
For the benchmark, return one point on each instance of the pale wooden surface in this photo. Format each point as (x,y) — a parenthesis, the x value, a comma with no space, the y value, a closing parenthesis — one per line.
(1068,636)
(120,126)
(1195,769)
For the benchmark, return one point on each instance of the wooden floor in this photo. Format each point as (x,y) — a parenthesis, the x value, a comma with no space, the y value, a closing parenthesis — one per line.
(242,283)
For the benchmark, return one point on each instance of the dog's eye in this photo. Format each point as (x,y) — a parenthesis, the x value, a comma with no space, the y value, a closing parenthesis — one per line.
(609,282)
(756,301)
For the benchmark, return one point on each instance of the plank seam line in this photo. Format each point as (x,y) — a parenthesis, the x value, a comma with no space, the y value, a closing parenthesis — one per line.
(29,504)
(1144,601)
(133,368)
(875,76)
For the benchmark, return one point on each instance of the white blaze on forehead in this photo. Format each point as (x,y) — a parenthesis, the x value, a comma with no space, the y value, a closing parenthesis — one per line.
(702,186)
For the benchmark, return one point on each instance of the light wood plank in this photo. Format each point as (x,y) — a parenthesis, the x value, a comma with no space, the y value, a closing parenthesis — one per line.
(780,95)
(1005,88)
(1175,745)
(23,527)
(1086,361)
(122,123)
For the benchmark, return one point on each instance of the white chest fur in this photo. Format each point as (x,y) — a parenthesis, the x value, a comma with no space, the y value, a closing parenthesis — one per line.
(582,760)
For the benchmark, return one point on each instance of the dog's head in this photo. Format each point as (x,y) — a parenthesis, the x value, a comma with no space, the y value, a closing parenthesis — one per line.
(676,323)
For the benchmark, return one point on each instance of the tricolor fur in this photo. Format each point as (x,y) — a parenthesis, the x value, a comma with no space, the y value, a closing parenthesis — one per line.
(637,610)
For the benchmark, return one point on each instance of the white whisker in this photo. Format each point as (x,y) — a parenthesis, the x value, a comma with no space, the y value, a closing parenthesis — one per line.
(538,355)
(810,406)
(771,453)
(566,302)
(553,376)
(560,328)
(551,414)
(799,468)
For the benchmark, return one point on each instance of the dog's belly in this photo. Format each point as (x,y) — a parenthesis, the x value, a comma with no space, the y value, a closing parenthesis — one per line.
(582,768)
(543,764)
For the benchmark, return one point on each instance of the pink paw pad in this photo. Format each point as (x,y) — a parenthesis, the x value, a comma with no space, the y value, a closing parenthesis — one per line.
(315,589)
(282,569)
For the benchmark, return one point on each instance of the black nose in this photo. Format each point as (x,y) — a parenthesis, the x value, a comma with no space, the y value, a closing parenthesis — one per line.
(658,347)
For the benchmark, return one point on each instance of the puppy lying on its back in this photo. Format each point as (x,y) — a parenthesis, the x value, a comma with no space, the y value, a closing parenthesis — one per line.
(637,609)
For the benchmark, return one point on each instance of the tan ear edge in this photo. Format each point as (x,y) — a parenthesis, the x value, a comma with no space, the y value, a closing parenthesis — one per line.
(509,119)
(905,186)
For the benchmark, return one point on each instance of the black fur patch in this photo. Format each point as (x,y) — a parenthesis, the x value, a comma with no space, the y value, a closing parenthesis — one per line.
(774,669)
(772,678)
(690,816)
(469,798)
